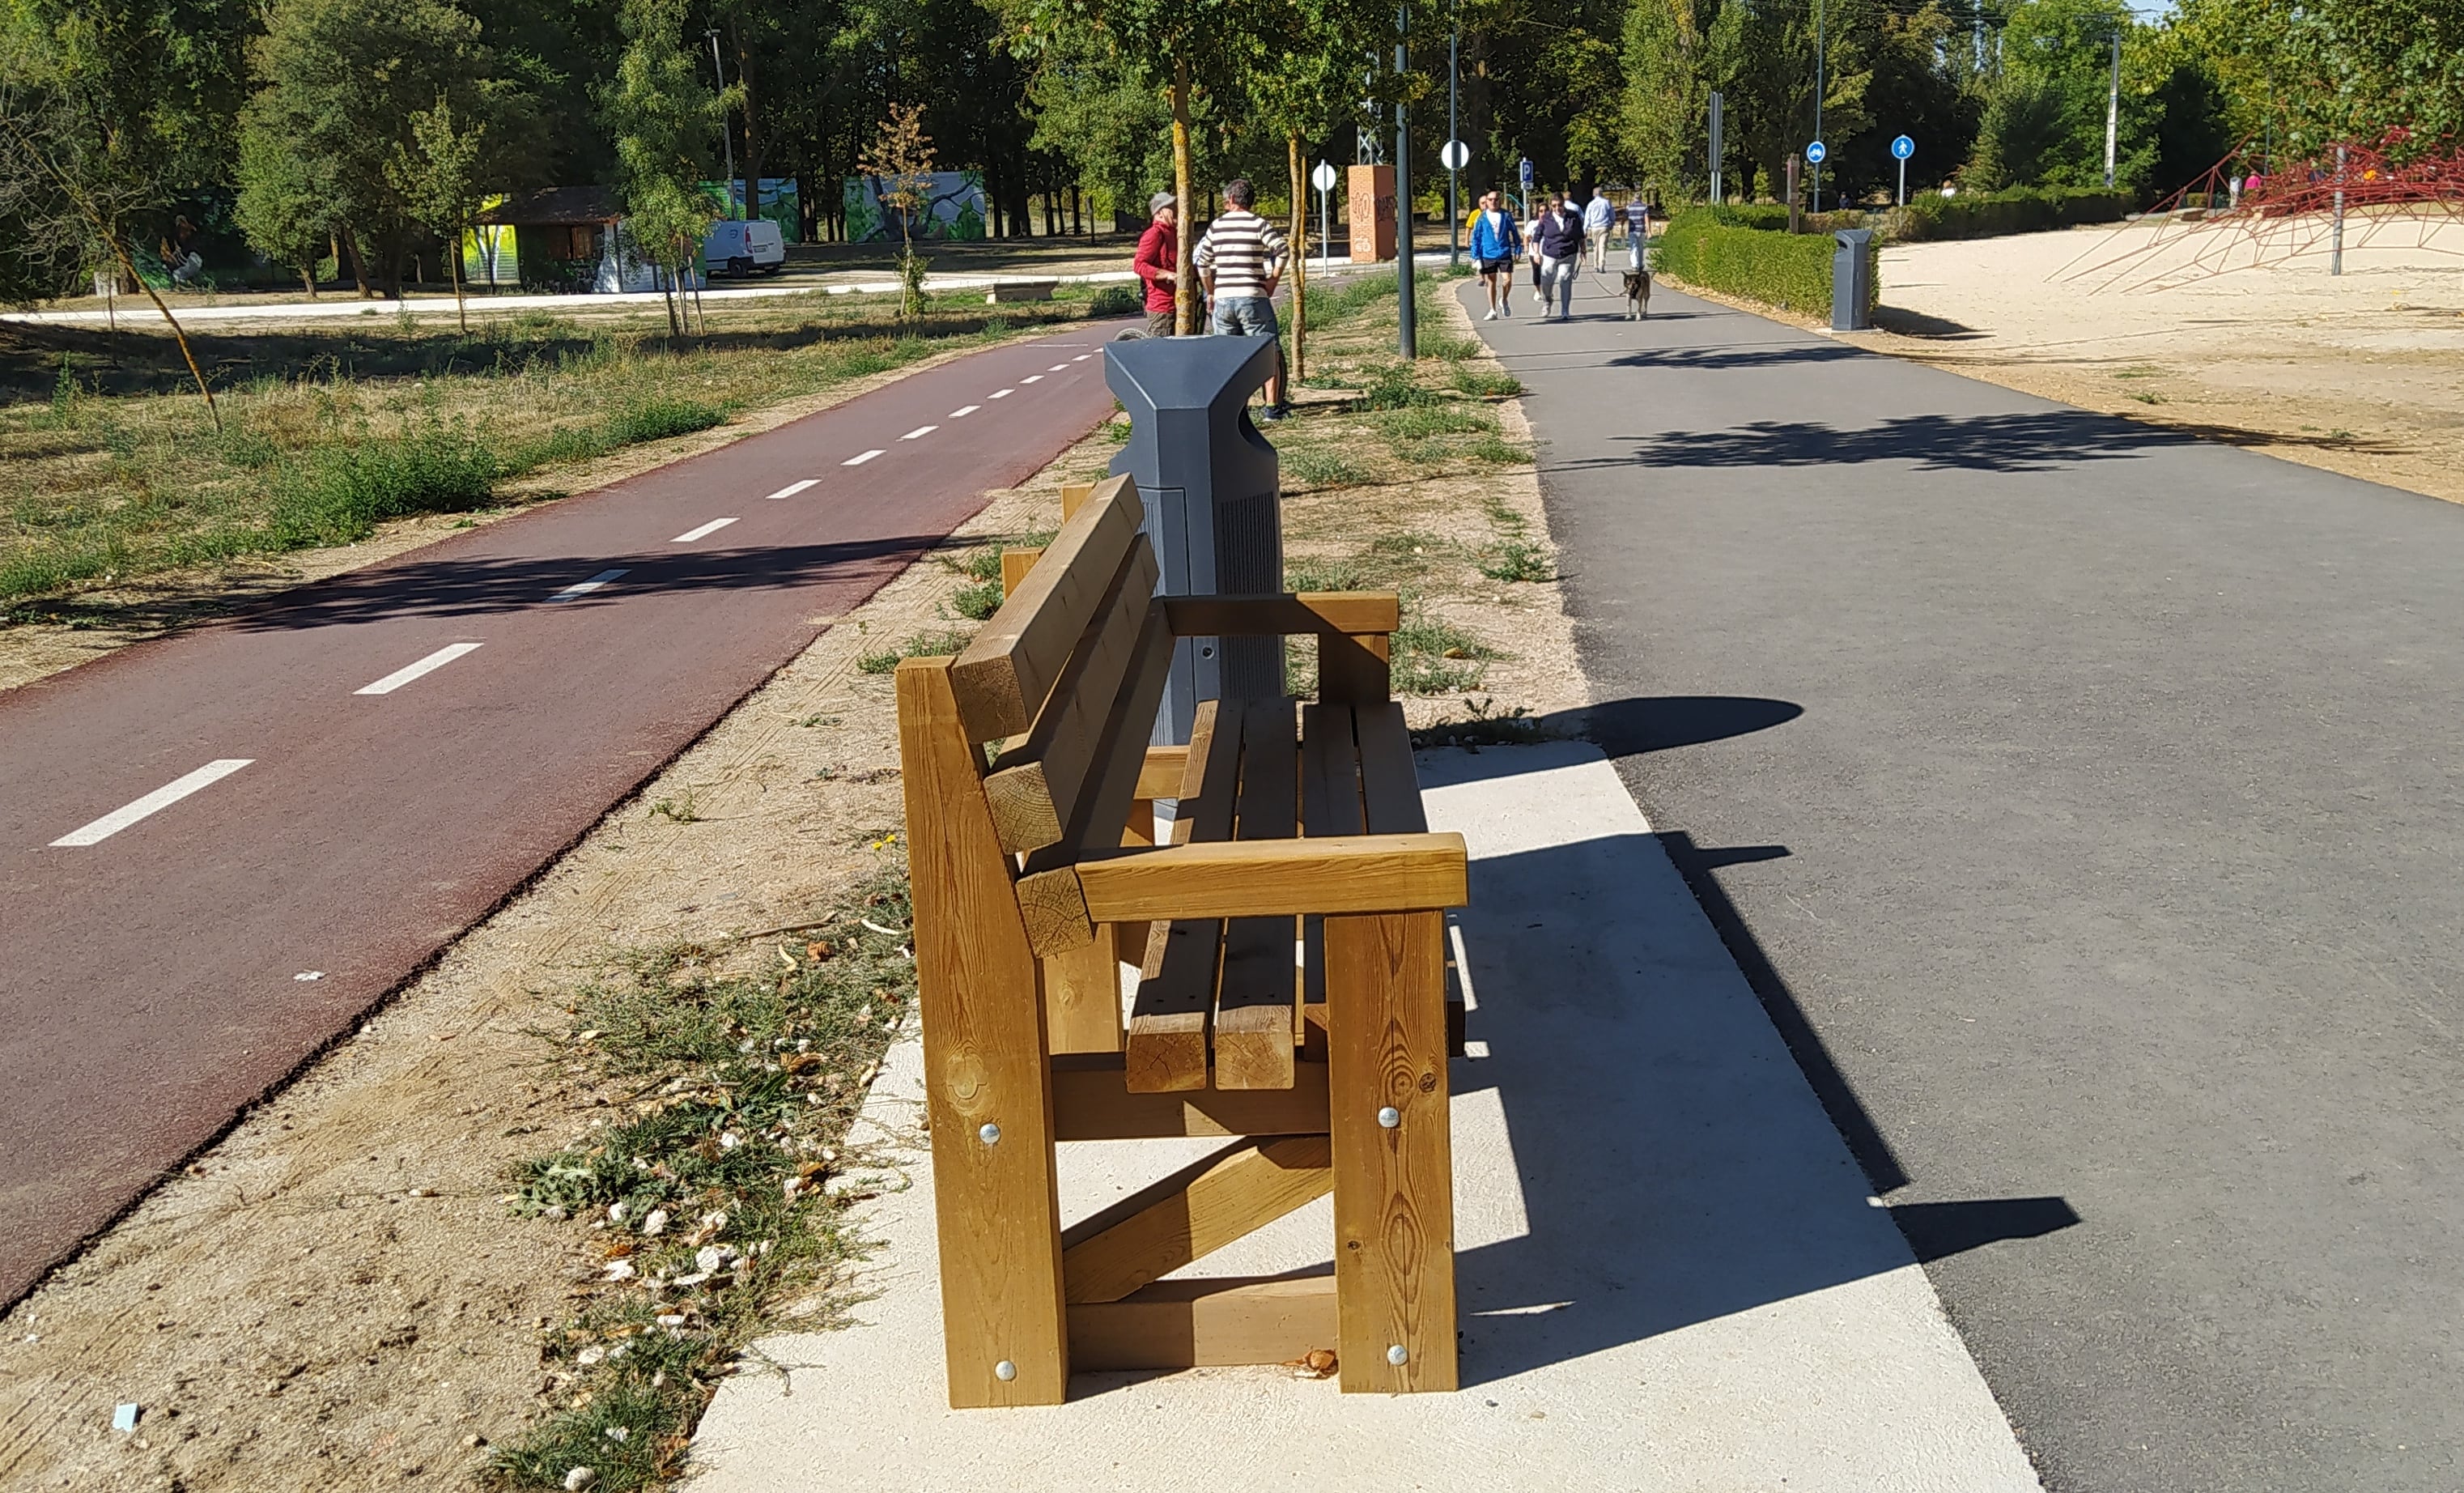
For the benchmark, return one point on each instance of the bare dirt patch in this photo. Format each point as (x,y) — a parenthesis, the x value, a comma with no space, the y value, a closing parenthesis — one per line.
(2356,373)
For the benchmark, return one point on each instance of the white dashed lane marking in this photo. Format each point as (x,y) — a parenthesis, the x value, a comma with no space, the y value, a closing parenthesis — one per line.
(161,798)
(1004,394)
(585,588)
(420,670)
(1031,378)
(861,457)
(703,531)
(921,430)
(792,489)
(963,411)
(1058,368)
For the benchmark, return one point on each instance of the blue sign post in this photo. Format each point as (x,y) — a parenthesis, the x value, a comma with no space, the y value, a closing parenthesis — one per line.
(1902,148)
(1814,154)
(1525,171)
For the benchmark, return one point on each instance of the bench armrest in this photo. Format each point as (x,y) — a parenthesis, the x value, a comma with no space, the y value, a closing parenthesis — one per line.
(1340,874)
(1351,614)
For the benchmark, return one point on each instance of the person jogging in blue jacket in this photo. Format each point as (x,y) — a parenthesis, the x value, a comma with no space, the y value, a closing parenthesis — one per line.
(1496,243)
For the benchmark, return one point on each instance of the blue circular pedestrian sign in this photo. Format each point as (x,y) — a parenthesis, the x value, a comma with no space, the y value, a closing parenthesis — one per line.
(1902,148)
(1816,151)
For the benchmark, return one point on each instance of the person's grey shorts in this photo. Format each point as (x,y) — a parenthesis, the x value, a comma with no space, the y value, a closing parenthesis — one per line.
(1245,316)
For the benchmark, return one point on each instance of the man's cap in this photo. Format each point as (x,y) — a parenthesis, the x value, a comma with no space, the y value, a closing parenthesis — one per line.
(1160,201)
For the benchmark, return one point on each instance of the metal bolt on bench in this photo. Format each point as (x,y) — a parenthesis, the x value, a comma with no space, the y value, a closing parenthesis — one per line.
(1027,761)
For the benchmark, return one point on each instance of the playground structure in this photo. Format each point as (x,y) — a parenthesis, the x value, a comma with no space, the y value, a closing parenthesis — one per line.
(2344,197)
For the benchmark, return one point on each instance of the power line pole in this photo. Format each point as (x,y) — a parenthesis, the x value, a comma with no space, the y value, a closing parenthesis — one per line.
(1408,342)
(2113,109)
(1817,100)
(726,138)
(1453,209)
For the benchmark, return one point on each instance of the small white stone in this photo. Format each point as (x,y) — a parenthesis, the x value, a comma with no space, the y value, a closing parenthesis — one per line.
(615,1213)
(579,1478)
(592,1354)
(620,1270)
(709,1257)
(657,1222)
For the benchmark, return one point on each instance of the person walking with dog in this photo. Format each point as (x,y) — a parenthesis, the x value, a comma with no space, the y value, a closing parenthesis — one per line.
(1558,248)
(1598,216)
(1496,243)
(1242,257)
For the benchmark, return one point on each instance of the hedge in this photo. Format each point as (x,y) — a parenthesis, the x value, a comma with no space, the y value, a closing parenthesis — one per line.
(2021,209)
(1792,271)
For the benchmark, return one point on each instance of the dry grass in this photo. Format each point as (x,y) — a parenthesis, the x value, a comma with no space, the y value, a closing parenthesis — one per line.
(329,431)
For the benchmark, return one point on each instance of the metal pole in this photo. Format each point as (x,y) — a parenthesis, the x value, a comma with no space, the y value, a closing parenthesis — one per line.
(726,139)
(2335,249)
(1718,150)
(1408,342)
(1817,100)
(1325,232)
(1454,175)
(1904,181)
(2112,110)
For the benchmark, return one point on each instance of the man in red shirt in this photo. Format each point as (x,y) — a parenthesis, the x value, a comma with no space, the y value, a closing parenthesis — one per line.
(1159,249)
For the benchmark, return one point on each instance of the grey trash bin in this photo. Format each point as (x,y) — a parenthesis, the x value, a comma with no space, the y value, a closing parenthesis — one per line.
(1852,279)
(1210,485)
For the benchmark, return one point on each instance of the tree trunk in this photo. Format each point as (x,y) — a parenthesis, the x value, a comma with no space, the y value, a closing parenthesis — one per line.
(1184,275)
(1299,240)
(308,278)
(453,268)
(177,334)
(350,241)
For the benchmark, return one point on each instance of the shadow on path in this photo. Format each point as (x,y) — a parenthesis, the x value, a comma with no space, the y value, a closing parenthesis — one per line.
(2028,441)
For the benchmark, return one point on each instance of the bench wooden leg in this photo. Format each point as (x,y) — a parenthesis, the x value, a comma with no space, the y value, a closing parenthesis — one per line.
(1394,1183)
(987,1084)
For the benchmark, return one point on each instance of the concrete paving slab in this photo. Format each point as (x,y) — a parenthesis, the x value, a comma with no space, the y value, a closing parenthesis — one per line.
(1671,1275)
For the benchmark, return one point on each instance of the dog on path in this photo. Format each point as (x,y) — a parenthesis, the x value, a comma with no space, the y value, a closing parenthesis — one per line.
(1637,294)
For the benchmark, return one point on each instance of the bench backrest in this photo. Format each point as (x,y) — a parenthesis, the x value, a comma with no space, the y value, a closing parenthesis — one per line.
(1068,677)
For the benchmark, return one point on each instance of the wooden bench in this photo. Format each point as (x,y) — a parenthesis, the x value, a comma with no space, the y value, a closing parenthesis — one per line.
(1029,786)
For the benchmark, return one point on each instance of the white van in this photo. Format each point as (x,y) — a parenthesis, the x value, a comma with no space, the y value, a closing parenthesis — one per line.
(740,248)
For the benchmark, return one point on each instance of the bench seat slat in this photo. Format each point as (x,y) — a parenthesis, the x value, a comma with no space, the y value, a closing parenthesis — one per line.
(1165,1050)
(1390,786)
(1253,1011)
(1002,676)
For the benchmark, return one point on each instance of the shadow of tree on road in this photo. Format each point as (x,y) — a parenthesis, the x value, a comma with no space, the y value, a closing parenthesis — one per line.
(432,586)
(2031,441)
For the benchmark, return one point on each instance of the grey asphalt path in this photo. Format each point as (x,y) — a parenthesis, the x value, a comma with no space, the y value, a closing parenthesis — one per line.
(2084,801)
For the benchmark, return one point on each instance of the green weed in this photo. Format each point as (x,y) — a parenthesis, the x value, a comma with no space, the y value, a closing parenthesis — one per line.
(1518,561)
(922,645)
(658,418)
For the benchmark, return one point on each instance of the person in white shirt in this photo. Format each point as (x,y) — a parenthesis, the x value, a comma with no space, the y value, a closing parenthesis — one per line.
(1597,214)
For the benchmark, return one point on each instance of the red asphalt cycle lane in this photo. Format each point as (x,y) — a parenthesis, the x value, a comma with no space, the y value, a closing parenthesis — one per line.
(148,986)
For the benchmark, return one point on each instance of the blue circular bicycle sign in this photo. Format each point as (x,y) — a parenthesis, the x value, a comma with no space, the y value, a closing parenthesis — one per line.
(1903,148)
(1816,151)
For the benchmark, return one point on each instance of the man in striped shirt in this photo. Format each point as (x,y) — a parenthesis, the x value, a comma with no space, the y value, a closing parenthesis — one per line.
(1242,259)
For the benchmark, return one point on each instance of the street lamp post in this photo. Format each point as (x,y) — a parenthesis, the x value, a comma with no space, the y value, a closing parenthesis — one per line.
(1407,343)
(2112,109)
(726,138)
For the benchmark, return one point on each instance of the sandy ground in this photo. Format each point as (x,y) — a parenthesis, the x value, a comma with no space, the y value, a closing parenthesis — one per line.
(2234,330)
(334,1296)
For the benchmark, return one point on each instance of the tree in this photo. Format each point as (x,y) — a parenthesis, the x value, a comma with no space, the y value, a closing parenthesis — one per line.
(344,83)
(1181,47)
(659,115)
(436,183)
(1306,83)
(285,207)
(107,109)
(1676,54)
(901,165)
